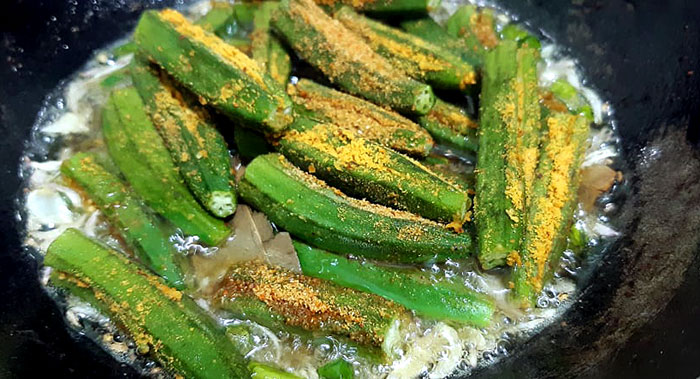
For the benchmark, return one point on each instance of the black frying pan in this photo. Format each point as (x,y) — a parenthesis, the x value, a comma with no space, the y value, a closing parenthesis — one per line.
(639,314)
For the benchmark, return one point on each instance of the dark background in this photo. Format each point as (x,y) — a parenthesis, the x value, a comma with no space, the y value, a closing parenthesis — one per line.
(641,55)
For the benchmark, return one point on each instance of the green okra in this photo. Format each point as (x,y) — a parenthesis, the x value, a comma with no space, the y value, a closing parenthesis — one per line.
(451,126)
(409,287)
(217,18)
(317,214)
(384,8)
(572,98)
(217,72)
(250,144)
(551,207)
(429,30)
(418,58)
(346,60)
(279,298)
(267,49)
(515,32)
(373,122)
(261,371)
(196,147)
(476,27)
(127,214)
(337,369)
(508,150)
(162,321)
(138,150)
(367,170)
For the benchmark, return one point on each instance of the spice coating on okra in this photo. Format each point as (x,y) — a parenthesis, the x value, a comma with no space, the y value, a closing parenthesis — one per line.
(366,119)
(311,303)
(215,44)
(418,58)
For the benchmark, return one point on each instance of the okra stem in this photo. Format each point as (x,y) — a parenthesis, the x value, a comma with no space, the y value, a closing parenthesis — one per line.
(418,58)
(161,320)
(408,287)
(346,60)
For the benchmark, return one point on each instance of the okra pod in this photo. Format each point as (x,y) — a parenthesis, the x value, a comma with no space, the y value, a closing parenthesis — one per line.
(217,18)
(217,72)
(195,146)
(367,170)
(138,150)
(409,287)
(267,49)
(385,8)
(418,58)
(451,126)
(127,214)
(514,32)
(572,98)
(161,320)
(369,121)
(310,304)
(508,150)
(429,30)
(551,206)
(320,215)
(476,27)
(346,60)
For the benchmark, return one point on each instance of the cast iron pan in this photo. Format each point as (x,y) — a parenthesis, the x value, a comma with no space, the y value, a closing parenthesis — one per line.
(638,315)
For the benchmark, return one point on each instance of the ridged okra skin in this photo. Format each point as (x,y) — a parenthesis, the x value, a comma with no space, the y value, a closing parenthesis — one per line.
(161,320)
(367,170)
(196,147)
(451,126)
(551,207)
(418,58)
(217,72)
(140,153)
(127,214)
(508,150)
(346,60)
(429,30)
(279,298)
(320,215)
(385,8)
(409,287)
(476,27)
(370,121)
(267,50)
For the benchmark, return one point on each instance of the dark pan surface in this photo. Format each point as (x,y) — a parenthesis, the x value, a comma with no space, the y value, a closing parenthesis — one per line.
(643,56)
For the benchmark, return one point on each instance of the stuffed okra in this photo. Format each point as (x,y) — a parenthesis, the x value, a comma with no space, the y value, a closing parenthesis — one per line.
(138,150)
(127,214)
(418,58)
(410,288)
(217,72)
(385,8)
(280,299)
(320,215)
(428,29)
(364,169)
(346,60)
(196,147)
(508,150)
(552,204)
(368,120)
(476,27)
(162,321)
